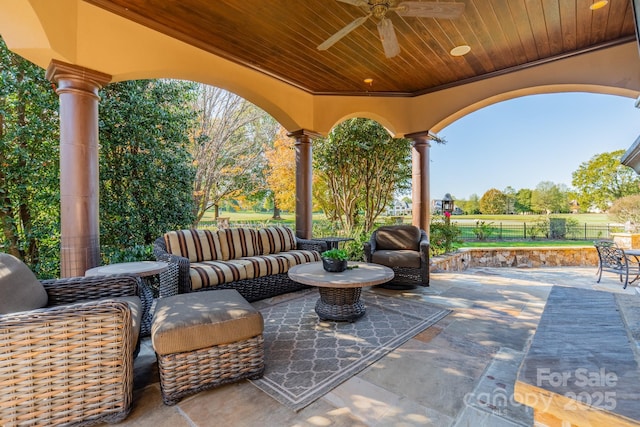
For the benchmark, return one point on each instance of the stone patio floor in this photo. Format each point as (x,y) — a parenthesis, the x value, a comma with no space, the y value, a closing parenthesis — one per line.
(459,372)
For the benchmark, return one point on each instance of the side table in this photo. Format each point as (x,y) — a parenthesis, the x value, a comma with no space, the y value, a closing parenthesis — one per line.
(333,242)
(159,279)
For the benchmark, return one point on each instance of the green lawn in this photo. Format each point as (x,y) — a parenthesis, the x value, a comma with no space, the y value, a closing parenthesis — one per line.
(594,219)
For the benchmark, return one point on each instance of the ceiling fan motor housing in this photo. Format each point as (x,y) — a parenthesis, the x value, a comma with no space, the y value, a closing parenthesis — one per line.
(379,8)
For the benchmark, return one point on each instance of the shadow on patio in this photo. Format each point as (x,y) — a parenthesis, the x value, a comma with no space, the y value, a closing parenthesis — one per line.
(459,372)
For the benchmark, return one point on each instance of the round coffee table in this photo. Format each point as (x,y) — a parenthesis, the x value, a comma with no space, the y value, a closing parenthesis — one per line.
(340,292)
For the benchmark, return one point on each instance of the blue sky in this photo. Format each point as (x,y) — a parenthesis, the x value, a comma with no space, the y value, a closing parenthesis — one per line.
(524,141)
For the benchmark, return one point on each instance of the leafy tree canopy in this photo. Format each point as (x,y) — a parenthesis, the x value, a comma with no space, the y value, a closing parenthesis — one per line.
(627,210)
(603,179)
(29,165)
(493,202)
(362,167)
(549,197)
(146,172)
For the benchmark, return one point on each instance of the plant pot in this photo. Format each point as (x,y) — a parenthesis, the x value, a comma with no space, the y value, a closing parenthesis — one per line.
(334,265)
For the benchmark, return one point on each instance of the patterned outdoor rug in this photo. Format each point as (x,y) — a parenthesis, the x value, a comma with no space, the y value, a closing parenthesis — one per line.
(305,358)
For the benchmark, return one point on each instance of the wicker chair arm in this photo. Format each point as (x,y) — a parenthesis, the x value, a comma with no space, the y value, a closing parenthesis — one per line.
(368,251)
(75,289)
(161,254)
(424,246)
(51,359)
(311,244)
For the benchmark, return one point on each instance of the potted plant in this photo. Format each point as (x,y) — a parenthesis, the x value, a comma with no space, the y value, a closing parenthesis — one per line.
(334,260)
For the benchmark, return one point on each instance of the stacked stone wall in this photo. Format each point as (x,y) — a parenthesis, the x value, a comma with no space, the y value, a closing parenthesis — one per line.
(515,257)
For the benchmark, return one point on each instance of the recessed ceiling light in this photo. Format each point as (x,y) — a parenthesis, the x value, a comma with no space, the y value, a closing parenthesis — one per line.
(460,50)
(598,4)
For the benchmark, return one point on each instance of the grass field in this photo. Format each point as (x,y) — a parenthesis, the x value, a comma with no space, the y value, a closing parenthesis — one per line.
(594,219)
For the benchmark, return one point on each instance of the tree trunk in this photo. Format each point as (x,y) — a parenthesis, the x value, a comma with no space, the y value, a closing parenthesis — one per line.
(276,210)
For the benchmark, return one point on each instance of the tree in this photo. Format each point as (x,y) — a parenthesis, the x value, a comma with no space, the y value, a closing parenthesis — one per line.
(473,204)
(29,164)
(227,147)
(523,201)
(492,202)
(549,197)
(509,199)
(627,210)
(603,179)
(146,172)
(281,173)
(362,167)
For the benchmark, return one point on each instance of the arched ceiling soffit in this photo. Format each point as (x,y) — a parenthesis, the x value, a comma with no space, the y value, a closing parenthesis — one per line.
(75,32)
(386,124)
(540,90)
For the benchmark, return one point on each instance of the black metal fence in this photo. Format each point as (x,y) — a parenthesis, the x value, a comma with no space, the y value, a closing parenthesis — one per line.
(491,231)
(524,231)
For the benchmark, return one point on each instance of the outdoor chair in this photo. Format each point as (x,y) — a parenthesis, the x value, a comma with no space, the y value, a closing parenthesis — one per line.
(404,249)
(613,259)
(66,347)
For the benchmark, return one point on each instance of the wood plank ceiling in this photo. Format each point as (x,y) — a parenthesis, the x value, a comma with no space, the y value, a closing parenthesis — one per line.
(279,38)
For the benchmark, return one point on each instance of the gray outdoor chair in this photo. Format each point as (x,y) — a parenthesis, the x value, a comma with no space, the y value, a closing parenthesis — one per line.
(404,249)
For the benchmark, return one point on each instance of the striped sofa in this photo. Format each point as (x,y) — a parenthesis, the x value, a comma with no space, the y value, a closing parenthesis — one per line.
(252,261)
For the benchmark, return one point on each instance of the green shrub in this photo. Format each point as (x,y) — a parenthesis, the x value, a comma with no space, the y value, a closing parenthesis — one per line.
(113,255)
(443,237)
(482,230)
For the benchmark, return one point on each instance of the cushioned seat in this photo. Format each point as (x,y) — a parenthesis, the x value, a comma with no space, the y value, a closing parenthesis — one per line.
(203,340)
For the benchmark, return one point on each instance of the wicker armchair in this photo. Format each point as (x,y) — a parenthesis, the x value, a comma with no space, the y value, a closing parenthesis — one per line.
(70,362)
(404,249)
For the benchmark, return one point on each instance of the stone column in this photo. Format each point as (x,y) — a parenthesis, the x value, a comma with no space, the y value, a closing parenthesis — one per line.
(78,88)
(421,202)
(304,175)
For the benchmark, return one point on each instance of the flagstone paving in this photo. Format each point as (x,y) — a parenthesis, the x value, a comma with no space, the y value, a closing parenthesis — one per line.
(459,372)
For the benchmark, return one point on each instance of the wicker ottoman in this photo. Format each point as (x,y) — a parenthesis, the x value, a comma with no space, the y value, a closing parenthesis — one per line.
(206,339)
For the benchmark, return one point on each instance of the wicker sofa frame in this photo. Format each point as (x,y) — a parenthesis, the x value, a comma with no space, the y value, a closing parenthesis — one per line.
(251,289)
(404,277)
(58,363)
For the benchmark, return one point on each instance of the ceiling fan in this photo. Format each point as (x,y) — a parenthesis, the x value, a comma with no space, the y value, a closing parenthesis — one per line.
(379,8)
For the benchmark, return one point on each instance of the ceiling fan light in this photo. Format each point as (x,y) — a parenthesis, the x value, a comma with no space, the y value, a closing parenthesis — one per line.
(460,50)
(599,4)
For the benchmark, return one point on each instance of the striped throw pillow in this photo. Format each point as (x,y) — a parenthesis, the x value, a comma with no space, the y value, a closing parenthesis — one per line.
(197,245)
(276,239)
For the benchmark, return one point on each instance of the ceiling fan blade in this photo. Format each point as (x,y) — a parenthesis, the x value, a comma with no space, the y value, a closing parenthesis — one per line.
(343,32)
(420,9)
(355,2)
(388,37)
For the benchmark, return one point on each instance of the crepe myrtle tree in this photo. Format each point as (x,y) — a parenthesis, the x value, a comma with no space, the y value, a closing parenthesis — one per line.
(361,168)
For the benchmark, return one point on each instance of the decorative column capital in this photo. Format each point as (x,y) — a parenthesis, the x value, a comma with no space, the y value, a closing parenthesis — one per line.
(303,135)
(420,138)
(69,77)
